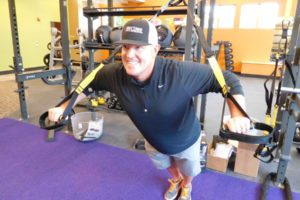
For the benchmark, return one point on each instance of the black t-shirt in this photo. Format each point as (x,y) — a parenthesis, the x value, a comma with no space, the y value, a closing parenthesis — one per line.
(162,107)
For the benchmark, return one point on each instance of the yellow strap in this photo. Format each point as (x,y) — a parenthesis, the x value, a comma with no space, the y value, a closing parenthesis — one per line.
(87,80)
(268,119)
(218,73)
(274,115)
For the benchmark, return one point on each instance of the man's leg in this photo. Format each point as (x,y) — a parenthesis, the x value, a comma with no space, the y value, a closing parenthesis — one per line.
(178,184)
(175,182)
(174,171)
(186,188)
(187,180)
(188,163)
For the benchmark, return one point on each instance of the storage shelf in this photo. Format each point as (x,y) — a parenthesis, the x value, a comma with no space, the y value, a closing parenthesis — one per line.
(95,45)
(95,12)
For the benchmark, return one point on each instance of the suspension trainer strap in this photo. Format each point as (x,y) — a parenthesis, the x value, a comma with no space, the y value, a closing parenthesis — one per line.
(280,54)
(72,98)
(269,95)
(177,3)
(271,177)
(214,64)
(220,78)
(162,9)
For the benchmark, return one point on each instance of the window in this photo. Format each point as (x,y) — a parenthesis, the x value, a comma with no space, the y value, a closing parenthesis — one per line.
(249,14)
(268,15)
(83,21)
(259,15)
(223,16)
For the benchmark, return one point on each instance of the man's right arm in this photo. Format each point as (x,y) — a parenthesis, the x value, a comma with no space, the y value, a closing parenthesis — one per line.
(100,82)
(55,113)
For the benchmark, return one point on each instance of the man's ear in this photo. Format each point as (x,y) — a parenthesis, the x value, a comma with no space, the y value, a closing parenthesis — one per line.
(156,48)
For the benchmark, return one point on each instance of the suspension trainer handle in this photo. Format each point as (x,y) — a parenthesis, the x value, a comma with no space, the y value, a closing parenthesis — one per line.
(72,98)
(264,139)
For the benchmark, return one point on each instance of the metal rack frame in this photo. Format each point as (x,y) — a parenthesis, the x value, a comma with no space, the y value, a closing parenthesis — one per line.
(95,12)
(289,106)
(20,77)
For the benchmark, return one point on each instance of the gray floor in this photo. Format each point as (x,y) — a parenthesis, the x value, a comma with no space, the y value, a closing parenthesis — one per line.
(119,130)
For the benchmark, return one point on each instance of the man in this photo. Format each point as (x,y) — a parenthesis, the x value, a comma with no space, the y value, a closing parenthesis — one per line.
(157,95)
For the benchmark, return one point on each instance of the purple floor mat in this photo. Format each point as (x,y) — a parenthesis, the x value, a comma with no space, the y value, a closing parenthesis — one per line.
(33,169)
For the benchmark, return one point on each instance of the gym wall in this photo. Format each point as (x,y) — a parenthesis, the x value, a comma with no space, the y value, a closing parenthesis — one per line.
(33,18)
(251,45)
(73,25)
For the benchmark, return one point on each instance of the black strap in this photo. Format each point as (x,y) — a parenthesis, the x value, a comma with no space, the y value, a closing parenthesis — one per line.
(271,177)
(289,67)
(238,105)
(59,125)
(162,9)
(177,3)
(265,151)
(269,96)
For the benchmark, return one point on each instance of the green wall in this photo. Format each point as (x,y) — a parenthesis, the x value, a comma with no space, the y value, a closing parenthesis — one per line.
(34,35)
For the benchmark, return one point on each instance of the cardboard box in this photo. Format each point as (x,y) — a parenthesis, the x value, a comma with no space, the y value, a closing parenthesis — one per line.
(245,162)
(216,163)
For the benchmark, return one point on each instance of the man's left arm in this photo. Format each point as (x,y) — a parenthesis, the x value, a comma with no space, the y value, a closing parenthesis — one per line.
(238,122)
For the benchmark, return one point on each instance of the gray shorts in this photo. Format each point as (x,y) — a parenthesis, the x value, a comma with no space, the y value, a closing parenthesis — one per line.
(188,161)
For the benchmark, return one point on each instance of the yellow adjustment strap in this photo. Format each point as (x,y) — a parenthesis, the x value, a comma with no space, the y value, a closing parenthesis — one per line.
(87,80)
(268,119)
(274,116)
(218,73)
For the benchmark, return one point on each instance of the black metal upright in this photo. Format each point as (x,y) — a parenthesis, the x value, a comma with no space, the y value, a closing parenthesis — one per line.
(65,45)
(189,32)
(90,37)
(288,114)
(18,63)
(211,22)
(288,111)
(198,101)
(110,5)
(209,41)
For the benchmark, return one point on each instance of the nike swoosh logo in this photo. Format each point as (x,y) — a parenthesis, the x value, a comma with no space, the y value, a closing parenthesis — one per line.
(160,86)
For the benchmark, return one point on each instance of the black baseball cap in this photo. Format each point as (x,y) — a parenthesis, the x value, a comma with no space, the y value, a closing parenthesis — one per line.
(139,32)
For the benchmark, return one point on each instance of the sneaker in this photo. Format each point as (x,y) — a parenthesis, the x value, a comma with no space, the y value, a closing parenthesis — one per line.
(185,193)
(173,190)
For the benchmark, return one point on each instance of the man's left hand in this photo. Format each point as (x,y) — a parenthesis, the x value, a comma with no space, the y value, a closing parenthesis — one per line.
(238,124)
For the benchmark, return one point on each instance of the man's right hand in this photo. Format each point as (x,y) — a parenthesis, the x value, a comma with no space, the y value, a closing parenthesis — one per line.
(55,113)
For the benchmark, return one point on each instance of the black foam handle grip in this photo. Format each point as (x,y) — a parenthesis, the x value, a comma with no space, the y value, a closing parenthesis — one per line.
(226,134)
(56,126)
